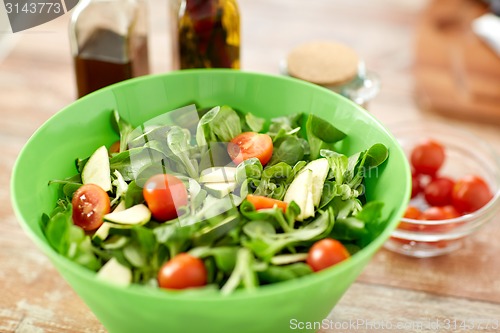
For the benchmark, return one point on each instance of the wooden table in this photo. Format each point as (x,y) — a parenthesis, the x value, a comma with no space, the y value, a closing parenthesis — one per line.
(36,80)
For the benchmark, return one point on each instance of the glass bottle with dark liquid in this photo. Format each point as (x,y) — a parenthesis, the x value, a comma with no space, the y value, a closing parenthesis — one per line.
(209,34)
(109,42)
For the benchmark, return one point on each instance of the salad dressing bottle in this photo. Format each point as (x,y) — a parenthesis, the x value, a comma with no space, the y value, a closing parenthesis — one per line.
(209,34)
(109,42)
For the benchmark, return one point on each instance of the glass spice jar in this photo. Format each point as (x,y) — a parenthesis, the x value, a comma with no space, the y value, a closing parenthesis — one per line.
(108,41)
(333,66)
(209,34)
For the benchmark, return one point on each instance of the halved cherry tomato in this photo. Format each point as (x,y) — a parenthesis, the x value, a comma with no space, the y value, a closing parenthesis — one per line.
(325,253)
(165,194)
(90,203)
(470,193)
(261,202)
(438,192)
(250,144)
(427,157)
(181,272)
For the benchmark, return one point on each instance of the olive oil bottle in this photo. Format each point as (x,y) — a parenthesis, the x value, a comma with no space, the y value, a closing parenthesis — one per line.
(209,34)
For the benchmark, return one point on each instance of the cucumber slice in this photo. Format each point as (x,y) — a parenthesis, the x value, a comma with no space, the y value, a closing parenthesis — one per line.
(300,191)
(319,168)
(138,214)
(220,190)
(115,272)
(218,175)
(96,170)
(120,207)
(102,233)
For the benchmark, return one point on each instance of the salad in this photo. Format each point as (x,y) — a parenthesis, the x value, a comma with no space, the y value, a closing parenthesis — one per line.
(216,198)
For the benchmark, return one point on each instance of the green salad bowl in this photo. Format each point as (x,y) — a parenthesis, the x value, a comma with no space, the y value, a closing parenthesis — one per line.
(77,130)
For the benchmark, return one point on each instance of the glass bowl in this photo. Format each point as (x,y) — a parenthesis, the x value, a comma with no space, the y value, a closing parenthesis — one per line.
(466,154)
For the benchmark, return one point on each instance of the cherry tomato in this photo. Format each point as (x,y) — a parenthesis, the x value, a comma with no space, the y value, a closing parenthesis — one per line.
(90,203)
(438,192)
(416,185)
(412,212)
(165,194)
(470,193)
(181,272)
(434,214)
(450,212)
(325,253)
(261,202)
(427,157)
(250,144)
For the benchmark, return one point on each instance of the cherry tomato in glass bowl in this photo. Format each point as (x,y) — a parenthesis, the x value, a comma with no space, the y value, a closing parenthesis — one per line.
(471,193)
(181,272)
(325,253)
(437,151)
(250,144)
(90,203)
(416,185)
(438,192)
(427,157)
(164,195)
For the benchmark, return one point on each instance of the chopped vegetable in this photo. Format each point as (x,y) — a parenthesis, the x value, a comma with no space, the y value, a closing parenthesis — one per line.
(249,145)
(261,202)
(90,204)
(165,195)
(325,253)
(181,272)
(231,201)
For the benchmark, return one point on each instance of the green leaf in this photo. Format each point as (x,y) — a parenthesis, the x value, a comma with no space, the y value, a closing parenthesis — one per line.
(289,150)
(122,127)
(69,185)
(256,124)
(323,129)
(243,274)
(220,124)
(349,228)
(371,212)
(321,135)
(259,229)
(249,169)
(275,274)
(57,232)
(130,162)
(134,195)
(376,155)
(224,256)
(177,239)
(178,141)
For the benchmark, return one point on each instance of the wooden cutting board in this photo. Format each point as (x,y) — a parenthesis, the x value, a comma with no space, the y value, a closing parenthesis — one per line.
(456,73)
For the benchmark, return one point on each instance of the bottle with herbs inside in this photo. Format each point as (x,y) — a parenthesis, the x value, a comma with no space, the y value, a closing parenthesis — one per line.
(209,34)
(109,42)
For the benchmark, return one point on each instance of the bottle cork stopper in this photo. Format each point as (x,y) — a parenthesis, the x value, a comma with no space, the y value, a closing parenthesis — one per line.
(323,63)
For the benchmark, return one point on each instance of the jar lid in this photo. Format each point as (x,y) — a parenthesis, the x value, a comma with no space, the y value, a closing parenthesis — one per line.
(323,63)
